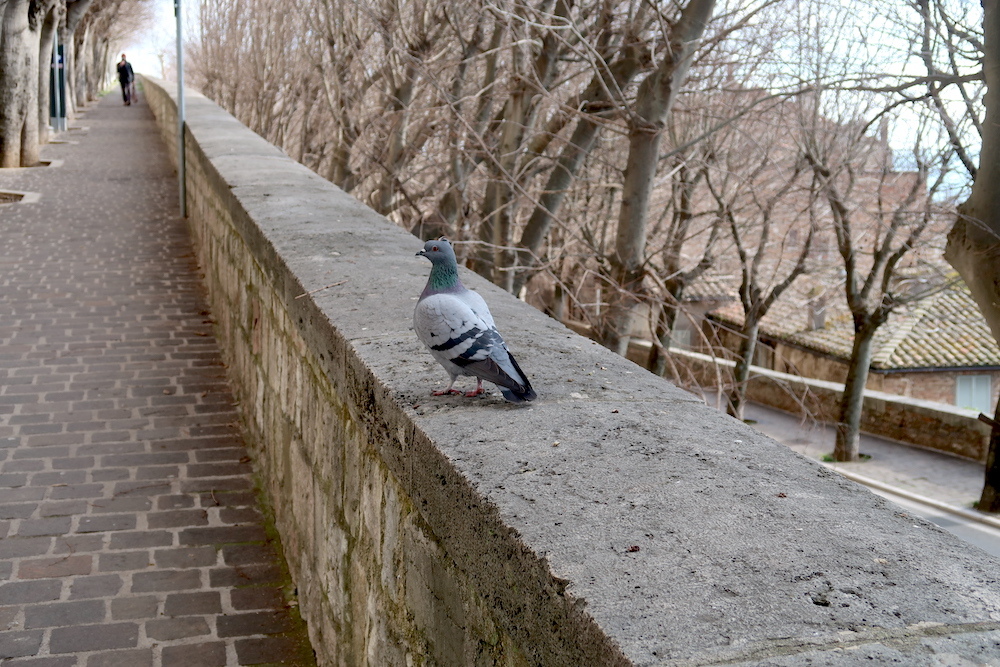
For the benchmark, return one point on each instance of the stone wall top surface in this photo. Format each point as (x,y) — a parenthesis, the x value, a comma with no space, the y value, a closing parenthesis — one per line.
(685,535)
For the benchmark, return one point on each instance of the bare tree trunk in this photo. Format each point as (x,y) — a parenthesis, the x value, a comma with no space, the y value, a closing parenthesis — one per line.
(15,77)
(29,130)
(532,70)
(852,400)
(81,68)
(45,44)
(495,231)
(675,276)
(499,191)
(741,374)
(570,159)
(74,14)
(663,330)
(989,500)
(96,69)
(37,13)
(654,100)
(396,144)
(101,66)
(974,242)
(627,262)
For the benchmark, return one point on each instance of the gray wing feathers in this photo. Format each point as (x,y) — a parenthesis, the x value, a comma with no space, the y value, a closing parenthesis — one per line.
(477,304)
(460,333)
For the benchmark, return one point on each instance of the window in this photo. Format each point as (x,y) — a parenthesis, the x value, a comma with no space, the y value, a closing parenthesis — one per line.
(974,392)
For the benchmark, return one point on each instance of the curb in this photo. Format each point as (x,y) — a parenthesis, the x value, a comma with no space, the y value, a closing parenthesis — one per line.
(971,515)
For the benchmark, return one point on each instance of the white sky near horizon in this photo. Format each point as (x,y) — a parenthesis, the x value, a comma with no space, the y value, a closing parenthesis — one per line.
(156,49)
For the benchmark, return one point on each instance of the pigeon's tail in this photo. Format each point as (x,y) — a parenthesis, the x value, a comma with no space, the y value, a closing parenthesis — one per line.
(518,394)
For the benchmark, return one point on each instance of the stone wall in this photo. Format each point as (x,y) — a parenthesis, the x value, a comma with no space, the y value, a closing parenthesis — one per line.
(935,385)
(928,424)
(615,520)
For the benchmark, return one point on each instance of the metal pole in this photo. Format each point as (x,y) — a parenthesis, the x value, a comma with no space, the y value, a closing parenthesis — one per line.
(57,96)
(54,86)
(181,167)
(60,78)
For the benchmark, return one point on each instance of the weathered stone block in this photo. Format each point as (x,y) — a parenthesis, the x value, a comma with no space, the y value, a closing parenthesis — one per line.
(448,530)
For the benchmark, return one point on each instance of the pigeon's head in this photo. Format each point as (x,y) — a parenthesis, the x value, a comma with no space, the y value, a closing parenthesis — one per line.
(438,251)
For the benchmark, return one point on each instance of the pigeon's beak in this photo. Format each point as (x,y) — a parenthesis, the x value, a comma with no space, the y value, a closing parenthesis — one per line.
(420,253)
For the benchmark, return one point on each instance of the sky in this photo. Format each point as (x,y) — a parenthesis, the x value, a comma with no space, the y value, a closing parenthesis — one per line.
(158,40)
(154,53)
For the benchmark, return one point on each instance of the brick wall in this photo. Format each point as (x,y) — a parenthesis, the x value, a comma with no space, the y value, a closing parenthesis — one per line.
(930,385)
(908,419)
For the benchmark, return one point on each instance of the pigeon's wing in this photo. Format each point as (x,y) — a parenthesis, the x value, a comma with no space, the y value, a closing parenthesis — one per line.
(517,389)
(477,304)
(446,324)
(456,333)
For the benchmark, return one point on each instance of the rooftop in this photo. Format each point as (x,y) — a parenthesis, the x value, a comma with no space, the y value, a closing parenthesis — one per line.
(943,330)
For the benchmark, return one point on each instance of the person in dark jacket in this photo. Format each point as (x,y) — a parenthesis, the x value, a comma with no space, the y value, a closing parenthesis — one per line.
(125,77)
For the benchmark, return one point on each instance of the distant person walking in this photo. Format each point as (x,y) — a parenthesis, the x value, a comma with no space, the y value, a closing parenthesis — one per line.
(126,77)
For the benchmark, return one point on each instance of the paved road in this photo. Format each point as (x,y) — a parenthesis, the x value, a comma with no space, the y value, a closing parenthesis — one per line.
(983,536)
(131,531)
(946,478)
(940,478)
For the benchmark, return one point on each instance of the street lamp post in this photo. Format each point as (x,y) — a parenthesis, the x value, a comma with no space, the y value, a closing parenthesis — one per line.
(181,167)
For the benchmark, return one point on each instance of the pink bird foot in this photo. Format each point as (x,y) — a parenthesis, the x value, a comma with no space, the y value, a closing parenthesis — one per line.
(477,391)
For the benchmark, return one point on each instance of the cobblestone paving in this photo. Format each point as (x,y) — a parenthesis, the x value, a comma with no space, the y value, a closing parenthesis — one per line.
(131,532)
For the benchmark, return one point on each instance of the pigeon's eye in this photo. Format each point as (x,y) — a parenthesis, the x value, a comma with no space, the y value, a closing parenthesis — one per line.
(434,249)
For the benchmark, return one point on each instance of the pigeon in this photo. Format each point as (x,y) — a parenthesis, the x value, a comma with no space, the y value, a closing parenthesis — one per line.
(456,326)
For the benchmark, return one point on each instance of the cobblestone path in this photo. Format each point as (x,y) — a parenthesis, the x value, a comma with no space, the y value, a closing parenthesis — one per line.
(131,531)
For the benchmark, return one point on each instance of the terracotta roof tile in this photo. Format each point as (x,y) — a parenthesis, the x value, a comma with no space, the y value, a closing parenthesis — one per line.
(944,330)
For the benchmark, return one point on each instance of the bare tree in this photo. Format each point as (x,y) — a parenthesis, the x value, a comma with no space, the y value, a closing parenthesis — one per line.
(872,243)
(27,31)
(676,231)
(614,63)
(75,11)
(50,25)
(974,242)
(654,100)
(765,193)
(20,44)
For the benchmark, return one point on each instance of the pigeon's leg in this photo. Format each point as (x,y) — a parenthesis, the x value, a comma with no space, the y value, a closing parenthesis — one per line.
(478,390)
(447,390)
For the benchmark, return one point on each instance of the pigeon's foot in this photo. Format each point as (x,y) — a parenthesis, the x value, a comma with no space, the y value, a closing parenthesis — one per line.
(477,391)
(445,392)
